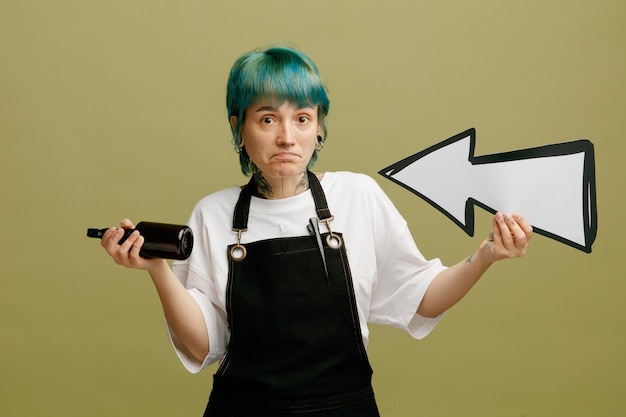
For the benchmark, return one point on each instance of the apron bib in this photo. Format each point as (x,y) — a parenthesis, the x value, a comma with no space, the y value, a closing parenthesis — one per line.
(296,345)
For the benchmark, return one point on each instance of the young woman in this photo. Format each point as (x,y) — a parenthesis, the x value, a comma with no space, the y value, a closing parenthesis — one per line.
(287,270)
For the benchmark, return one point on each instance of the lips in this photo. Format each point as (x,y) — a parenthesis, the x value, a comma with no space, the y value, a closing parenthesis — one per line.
(285,156)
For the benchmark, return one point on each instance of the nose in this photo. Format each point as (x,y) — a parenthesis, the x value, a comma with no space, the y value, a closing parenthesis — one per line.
(286,135)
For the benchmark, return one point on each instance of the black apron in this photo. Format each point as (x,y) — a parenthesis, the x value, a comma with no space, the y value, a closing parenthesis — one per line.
(296,346)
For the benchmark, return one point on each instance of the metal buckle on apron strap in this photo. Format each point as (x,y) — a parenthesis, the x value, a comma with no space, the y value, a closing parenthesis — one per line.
(238,252)
(334,241)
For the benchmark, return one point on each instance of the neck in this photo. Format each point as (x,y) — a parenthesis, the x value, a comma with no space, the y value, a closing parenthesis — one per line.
(283,187)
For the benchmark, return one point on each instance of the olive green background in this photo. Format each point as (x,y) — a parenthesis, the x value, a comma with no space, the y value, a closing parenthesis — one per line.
(112,109)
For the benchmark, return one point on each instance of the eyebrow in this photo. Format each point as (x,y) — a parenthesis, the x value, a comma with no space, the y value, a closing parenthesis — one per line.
(266,108)
(272,108)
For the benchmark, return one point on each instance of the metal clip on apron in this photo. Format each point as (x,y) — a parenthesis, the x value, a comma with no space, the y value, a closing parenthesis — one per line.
(296,346)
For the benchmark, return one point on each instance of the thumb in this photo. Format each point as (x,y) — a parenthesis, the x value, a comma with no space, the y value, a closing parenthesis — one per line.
(127,224)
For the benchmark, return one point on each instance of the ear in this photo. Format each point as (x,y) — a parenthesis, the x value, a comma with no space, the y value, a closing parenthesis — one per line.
(233,125)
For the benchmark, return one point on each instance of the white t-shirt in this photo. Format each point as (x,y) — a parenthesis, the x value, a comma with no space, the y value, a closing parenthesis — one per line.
(389,273)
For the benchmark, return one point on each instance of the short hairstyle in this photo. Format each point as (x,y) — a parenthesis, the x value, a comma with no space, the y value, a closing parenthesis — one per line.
(277,74)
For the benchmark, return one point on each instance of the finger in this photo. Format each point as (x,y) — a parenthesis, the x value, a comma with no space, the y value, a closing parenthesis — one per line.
(107,235)
(120,252)
(495,235)
(524,225)
(137,243)
(127,224)
(111,237)
(519,235)
(517,245)
(129,242)
(502,232)
(110,240)
(134,257)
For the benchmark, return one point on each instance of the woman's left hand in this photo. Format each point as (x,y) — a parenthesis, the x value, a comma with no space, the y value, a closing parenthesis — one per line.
(510,237)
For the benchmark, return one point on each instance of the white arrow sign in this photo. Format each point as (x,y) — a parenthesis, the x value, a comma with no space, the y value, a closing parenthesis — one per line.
(552,186)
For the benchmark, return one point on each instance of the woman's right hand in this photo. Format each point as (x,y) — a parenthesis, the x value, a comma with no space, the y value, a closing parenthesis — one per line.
(181,311)
(127,254)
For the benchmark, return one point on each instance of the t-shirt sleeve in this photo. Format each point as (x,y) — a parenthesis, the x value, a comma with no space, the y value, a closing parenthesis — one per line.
(403,274)
(403,278)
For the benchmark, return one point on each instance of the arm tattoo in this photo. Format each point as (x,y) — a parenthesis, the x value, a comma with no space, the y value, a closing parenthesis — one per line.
(487,247)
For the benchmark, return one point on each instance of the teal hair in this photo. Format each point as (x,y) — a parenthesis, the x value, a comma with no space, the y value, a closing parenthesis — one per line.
(277,74)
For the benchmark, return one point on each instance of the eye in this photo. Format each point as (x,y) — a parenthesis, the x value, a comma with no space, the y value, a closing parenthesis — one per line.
(303,119)
(266,120)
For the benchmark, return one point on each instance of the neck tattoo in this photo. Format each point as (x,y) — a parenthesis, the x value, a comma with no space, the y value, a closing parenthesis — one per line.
(265,190)
(302,185)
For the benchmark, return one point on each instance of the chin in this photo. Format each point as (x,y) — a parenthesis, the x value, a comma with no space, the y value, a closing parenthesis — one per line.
(284,166)
(290,172)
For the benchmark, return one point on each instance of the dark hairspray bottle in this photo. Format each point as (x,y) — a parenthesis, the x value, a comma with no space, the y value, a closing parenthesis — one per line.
(162,240)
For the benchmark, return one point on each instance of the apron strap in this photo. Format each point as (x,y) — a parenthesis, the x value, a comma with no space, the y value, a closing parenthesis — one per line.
(321,206)
(242,208)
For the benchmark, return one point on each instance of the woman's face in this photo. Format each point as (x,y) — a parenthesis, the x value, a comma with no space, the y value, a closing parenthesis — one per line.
(279,140)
